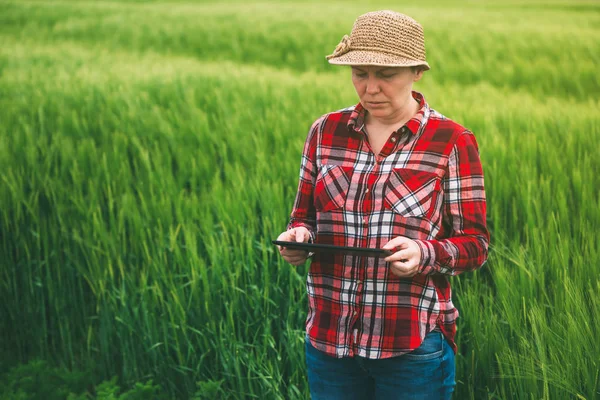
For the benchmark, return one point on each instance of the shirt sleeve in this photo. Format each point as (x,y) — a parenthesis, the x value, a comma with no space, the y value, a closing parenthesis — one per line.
(464,210)
(303,211)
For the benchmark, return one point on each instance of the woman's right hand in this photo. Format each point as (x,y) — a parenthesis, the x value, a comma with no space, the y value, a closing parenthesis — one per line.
(294,257)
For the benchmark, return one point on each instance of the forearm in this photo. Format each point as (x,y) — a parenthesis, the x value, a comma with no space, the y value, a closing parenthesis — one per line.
(303,212)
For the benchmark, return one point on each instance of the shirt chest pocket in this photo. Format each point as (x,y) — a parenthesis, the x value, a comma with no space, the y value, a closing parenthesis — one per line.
(331,187)
(411,192)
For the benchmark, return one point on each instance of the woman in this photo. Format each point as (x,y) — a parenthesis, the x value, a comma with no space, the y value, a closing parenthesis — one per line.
(387,173)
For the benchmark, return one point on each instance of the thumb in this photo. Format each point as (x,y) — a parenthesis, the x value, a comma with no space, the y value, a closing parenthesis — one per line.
(300,236)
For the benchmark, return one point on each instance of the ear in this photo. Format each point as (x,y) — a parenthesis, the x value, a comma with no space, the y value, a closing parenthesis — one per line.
(418,74)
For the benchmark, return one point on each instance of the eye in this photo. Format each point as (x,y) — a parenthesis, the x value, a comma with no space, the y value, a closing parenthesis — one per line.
(360,74)
(388,76)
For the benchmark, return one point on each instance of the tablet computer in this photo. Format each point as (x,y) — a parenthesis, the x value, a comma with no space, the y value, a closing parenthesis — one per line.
(315,247)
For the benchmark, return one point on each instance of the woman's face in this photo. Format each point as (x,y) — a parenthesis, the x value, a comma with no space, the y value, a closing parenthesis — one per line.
(384,92)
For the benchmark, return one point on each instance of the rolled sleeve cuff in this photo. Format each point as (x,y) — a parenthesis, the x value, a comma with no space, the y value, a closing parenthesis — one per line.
(427,257)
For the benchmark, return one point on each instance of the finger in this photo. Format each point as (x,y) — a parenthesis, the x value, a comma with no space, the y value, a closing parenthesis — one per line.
(402,271)
(409,266)
(281,237)
(294,253)
(404,266)
(300,236)
(402,255)
(399,266)
(297,260)
(284,237)
(399,273)
(399,242)
(391,245)
(291,235)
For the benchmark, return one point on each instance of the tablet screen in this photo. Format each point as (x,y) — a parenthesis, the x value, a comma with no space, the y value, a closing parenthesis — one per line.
(316,247)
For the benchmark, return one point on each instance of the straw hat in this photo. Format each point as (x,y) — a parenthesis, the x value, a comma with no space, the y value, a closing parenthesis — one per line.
(385,38)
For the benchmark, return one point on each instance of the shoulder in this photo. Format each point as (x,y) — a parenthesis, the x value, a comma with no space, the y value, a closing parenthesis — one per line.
(446,130)
(442,123)
(328,125)
(331,121)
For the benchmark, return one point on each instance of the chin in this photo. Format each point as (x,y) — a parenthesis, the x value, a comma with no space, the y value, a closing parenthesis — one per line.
(377,112)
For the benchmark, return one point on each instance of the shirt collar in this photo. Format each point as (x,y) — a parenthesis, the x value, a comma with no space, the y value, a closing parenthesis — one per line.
(357,118)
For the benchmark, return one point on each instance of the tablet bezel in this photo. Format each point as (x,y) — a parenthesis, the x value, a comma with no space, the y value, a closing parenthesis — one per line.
(317,247)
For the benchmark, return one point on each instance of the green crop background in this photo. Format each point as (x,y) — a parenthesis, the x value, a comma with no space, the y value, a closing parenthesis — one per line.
(149,152)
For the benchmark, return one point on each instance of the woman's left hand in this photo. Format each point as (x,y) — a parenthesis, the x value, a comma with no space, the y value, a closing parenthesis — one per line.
(404,263)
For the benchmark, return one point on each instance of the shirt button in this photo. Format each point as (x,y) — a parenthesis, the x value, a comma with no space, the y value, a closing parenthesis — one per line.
(367,190)
(359,282)
(355,313)
(393,139)
(365,221)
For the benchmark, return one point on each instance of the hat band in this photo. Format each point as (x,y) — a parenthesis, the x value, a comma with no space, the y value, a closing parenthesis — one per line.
(386,51)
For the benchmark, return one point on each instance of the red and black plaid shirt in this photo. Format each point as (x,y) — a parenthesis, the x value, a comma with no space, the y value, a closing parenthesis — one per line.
(427,185)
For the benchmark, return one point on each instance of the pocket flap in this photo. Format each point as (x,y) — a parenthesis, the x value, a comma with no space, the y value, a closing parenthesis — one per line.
(409,191)
(331,188)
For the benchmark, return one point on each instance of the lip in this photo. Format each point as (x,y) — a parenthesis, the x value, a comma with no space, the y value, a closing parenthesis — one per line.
(375,103)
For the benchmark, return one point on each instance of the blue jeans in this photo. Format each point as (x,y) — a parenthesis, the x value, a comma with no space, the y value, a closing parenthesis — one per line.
(425,373)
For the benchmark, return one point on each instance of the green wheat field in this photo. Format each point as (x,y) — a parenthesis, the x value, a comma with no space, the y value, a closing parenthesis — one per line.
(149,152)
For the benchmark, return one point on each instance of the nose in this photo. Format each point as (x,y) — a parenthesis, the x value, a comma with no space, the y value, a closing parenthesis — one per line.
(372,85)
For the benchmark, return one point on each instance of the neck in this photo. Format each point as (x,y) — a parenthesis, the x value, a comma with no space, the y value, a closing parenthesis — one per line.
(398,118)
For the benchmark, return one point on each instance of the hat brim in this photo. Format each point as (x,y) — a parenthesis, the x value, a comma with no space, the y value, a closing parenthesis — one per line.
(363,57)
